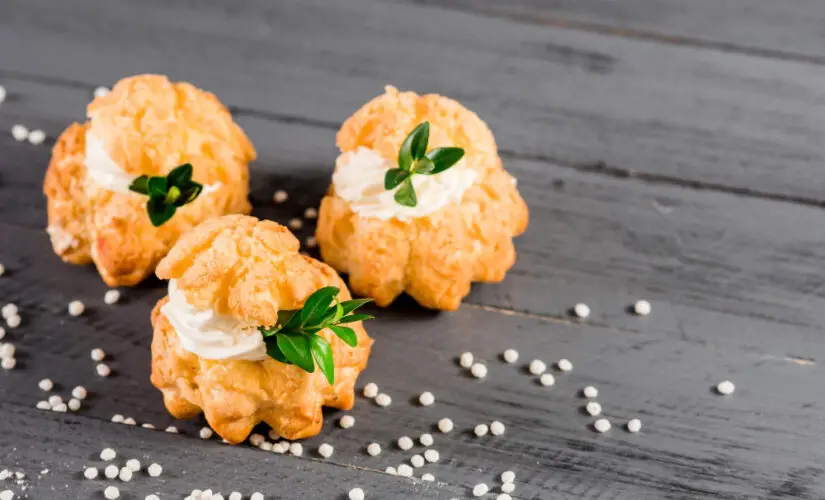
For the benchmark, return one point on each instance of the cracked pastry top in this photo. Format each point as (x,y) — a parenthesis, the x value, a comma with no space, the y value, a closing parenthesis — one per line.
(228,277)
(146,125)
(461,229)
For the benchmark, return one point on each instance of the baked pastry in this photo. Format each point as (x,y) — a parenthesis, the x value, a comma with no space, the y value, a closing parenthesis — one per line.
(147,126)
(231,278)
(458,226)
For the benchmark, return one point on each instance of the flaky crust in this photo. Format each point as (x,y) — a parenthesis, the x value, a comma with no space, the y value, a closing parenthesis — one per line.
(433,258)
(148,125)
(250,269)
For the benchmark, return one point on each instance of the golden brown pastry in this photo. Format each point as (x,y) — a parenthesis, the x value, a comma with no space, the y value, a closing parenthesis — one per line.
(462,228)
(146,125)
(228,276)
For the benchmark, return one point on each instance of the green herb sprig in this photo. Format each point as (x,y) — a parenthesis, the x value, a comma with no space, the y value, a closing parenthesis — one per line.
(295,340)
(167,194)
(413,159)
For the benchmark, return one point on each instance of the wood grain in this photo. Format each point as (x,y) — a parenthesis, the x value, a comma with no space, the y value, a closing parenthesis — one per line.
(681,114)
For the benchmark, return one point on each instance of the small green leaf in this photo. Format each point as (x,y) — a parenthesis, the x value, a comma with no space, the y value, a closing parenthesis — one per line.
(159,212)
(333,314)
(172,195)
(346,334)
(394,177)
(423,166)
(273,351)
(140,185)
(405,195)
(351,305)
(444,158)
(352,318)
(189,194)
(295,348)
(288,319)
(322,352)
(180,176)
(157,186)
(420,138)
(317,304)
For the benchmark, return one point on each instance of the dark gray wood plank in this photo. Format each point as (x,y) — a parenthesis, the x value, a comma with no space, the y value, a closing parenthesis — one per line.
(678,114)
(790,29)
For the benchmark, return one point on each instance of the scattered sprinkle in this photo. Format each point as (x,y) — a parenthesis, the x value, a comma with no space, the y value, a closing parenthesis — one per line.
(2,332)
(427,477)
(8,363)
(547,379)
(581,310)
(13,321)
(466,360)
(45,385)
(325,450)
(6,495)
(155,497)
(374,449)
(432,456)
(391,470)
(111,471)
(480,490)
(426,439)
(273,435)
(7,350)
(496,428)
(117,418)
(296,224)
(74,404)
(445,425)
(235,496)
(103,370)
(564,365)
(76,308)
(405,470)
(43,405)
(426,398)
(256,439)
(111,493)
(108,454)
(311,242)
(155,470)
(55,400)
(280,196)
(37,137)
(61,408)
(296,449)
(593,408)
(80,392)
(537,367)
(2,93)
(111,297)
(508,476)
(405,443)
(346,421)
(356,494)
(417,461)
(590,392)
(100,91)
(479,370)
(172,429)
(19,132)
(642,308)
(311,213)
(504,496)
(602,425)
(98,354)
(257,496)
(205,433)
(383,400)
(133,464)
(508,487)
(725,388)
(147,426)
(634,425)
(9,310)
(510,355)
(129,421)
(125,474)
(90,473)
(370,390)
(480,430)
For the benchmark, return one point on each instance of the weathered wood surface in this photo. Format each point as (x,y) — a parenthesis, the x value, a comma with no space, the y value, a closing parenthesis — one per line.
(735,279)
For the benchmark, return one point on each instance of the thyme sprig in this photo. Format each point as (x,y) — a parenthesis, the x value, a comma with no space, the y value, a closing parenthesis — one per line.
(167,193)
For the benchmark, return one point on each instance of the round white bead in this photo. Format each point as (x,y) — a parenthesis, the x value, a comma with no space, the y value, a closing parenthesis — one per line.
(37,137)
(427,477)
(111,297)
(391,470)
(496,428)
(103,370)
(19,132)
(725,388)
(8,363)
(417,461)
(590,392)
(537,367)
(547,379)
(405,443)
(426,439)
(478,370)
(466,360)
(280,196)
(74,404)
(564,365)
(480,490)
(125,474)
(481,430)
(642,308)
(581,310)
(356,494)
(508,487)
(508,476)
(426,398)
(510,355)
(108,454)
(325,450)
(311,213)
(111,471)
(45,385)
(405,470)
(296,449)
(383,400)
(346,421)
(374,449)
(154,470)
(593,408)
(445,425)
(432,456)
(98,354)
(100,91)
(111,493)
(133,464)
(76,308)
(634,425)
(80,392)
(370,390)
(90,473)
(602,425)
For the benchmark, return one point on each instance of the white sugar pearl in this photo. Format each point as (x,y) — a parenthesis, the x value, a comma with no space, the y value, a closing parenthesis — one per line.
(37,137)
(346,421)
(537,367)
(480,490)
(111,493)
(2,332)
(8,363)
(325,450)
(445,425)
(257,496)
(125,474)
(7,350)
(280,196)
(547,379)
(55,400)
(480,430)
(508,487)
(103,370)
(634,425)
(98,354)
(133,464)
(13,321)
(391,470)
(256,439)
(405,470)
(172,429)
(235,496)
(590,392)
(504,496)
(2,93)
(405,443)
(642,308)
(426,398)
(581,310)
(427,477)
(90,473)
(79,392)
(510,355)
(274,436)
(466,360)
(370,390)
(45,385)
(426,439)
(111,471)
(725,388)
(564,365)
(496,428)
(147,426)
(508,476)
(311,242)
(593,408)
(43,405)
(155,470)
(117,418)
(479,370)
(19,132)
(417,461)
(283,447)
(374,449)
(356,494)
(111,297)
(76,308)
(61,408)
(432,456)
(205,433)
(74,404)
(265,446)
(129,421)
(602,425)
(108,454)
(9,310)
(383,400)
(155,497)
(296,224)
(100,91)
(296,449)
(311,213)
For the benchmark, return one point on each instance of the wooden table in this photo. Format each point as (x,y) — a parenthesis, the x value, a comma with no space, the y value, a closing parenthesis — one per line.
(668,150)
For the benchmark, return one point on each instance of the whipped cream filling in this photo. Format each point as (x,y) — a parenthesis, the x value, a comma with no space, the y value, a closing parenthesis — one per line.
(359,179)
(101,169)
(211,335)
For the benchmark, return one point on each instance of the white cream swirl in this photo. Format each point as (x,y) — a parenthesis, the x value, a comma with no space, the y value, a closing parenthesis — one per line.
(359,179)
(211,335)
(101,169)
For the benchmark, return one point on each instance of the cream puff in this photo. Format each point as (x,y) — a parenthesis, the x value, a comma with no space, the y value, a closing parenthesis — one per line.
(430,234)
(236,286)
(146,126)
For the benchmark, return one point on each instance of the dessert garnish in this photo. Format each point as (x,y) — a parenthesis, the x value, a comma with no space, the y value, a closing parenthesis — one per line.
(167,194)
(295,340)
(413,159)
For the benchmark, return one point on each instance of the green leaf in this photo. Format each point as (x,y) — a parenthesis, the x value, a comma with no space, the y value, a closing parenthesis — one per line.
(351,305)
(274,352)
(288,319)
(405,195)
(180,176)
(317,304)
(423,166)
(333,314)
(444,158)
(322,352)
(346,334)
(394,177)
(140,185)
(172,195)
(352,318)
(420,138)
(295,348)
(189,194)
(159,212)
(157,186)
